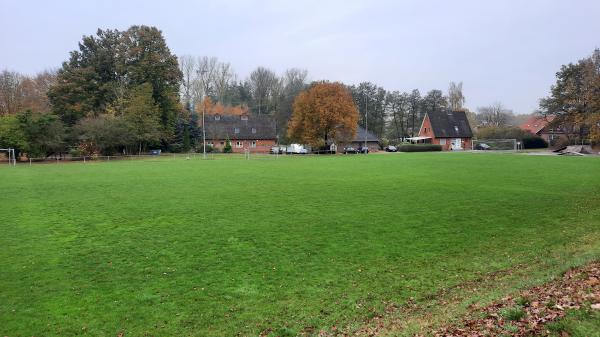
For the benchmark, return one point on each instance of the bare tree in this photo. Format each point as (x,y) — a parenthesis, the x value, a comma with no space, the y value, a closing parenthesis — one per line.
(455,96)
(188,66)
(207,72)
(265,85)
(10,92)
(494,115)
(292,83)
(34,91)
(223,78)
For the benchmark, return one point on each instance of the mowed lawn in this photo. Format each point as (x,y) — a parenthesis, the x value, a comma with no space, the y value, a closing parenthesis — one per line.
(180,247)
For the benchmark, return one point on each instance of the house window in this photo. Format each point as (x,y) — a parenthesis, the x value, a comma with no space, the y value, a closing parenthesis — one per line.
(222,143)
(239,144)
(210,144)
(456,128)
(253,130)
(443,141)
(244,117)
(217,117)
(236,130)
(253,144)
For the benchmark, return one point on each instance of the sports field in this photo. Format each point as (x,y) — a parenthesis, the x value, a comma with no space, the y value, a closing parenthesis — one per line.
(282,246)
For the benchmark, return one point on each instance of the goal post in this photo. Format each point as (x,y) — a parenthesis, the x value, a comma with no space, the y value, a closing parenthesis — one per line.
(12,158)
(495,144)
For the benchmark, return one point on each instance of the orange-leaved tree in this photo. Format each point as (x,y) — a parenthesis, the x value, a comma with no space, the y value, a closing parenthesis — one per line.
(323,114)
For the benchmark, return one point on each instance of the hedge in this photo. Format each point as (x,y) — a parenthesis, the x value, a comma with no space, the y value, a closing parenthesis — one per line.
(419,147)
(534,142)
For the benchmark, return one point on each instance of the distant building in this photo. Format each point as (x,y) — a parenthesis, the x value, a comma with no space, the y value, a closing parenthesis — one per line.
(541,126)
(358,141)
(255,133)
(450,129)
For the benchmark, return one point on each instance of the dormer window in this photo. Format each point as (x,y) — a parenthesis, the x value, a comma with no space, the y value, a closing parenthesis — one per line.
(236,130)
(244,117)
(253,130)
(217,117)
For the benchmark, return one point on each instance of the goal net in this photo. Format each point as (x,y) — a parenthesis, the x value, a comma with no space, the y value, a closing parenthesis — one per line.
(9,155)
(495,144)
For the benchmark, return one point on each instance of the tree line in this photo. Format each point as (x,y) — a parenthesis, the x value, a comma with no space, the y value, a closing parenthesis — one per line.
(126,92)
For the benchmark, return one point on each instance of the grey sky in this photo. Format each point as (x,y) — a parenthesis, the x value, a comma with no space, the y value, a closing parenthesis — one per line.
(504,51)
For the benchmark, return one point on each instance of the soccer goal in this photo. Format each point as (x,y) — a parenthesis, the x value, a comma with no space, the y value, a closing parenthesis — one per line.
(496,144)
(12,159)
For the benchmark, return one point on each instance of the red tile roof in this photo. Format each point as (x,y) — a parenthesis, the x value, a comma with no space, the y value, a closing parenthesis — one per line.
(535,124)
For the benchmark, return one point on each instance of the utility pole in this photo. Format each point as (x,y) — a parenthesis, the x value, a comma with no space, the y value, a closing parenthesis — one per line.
(366,125)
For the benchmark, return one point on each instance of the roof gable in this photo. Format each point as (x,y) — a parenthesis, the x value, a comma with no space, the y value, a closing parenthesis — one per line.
(253,127)
(536,124)
(450,124)
(361,133)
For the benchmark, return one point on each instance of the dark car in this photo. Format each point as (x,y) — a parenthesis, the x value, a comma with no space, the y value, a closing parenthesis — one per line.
(391,148)
(350,149)
(363,150)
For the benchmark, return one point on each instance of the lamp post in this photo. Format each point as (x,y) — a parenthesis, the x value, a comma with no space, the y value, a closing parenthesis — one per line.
(365,150)
(202,72)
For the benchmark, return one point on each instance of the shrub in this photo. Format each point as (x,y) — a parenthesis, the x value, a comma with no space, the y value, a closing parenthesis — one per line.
(534,142)
(227,148)
(419,147)
(75,152)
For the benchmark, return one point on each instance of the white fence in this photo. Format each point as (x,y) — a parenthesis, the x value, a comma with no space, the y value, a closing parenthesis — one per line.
(146,157)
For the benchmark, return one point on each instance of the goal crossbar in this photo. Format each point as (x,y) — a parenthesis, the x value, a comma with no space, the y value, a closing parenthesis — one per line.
(12,159)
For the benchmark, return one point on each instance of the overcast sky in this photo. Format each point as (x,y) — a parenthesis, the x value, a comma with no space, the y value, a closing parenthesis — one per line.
(505,51)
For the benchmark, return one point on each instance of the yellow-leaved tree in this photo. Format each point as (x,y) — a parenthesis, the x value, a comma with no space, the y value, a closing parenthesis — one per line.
(323,114)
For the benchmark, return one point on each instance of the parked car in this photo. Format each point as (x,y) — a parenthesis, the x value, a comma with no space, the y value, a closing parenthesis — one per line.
(296,149)
(391,148)
(277,150)
(350,149)
(482,146)
(363,150)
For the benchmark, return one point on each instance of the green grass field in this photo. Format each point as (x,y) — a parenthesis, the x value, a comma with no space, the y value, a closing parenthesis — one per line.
(179,247)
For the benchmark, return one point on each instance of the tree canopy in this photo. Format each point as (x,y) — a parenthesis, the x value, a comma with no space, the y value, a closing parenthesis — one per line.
(575,98)
(322,114)
(98,76)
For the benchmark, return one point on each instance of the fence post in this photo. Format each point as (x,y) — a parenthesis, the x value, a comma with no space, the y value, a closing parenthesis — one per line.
(29,161)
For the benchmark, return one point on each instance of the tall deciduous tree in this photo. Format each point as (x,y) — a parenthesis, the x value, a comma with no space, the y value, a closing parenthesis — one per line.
(397,105)
(106,66)
(265,88)
(20,92)
(575,99)
(10,92)
(414,103)
(143,116)
(456,99)
(294,81)
(323,114)
(434,101)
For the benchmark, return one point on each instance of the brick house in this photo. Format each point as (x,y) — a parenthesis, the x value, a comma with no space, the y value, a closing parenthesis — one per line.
(450,129)
(543,127)
(255,133)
